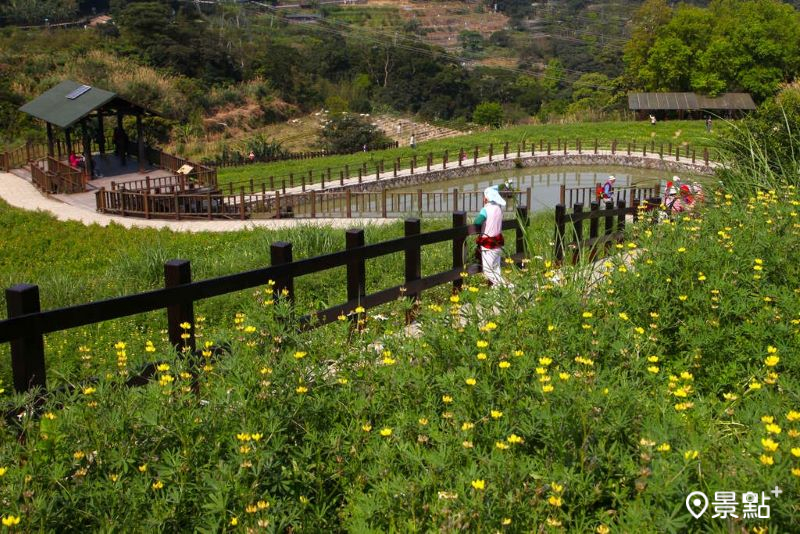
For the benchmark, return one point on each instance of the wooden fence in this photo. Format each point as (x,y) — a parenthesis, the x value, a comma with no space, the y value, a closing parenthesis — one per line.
(27,324)
(572,237)
(417,163)
(53,177)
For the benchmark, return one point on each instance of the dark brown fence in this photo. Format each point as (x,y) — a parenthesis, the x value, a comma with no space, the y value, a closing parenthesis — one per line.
(52,176)
(588,194)
(27,324)
(185,201)
(570,227)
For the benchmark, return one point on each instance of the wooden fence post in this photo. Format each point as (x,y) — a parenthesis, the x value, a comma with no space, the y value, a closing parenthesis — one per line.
(455,199)
(577,209)
(277,204)
(491,151)
(459,219)
(705,156)
(356,267)
(505,150)
(608,225)
(413,163)
(242,211)
(281,254)
(413,261)
(313,204)
(594,225)
(561,212)
(430,160)
(383,203)
(475,156)
(444,160)
(348,197)
(621,217)
(27,353)
(562,194)
(176,273)
(341,178)
(548,148)
(303,183)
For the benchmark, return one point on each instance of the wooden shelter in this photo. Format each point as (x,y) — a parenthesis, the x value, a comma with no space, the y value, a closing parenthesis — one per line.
(70,105)
(690,105)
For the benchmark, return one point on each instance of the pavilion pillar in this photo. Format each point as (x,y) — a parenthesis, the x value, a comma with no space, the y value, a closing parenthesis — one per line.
(68,140)
(101,136)
(140,136)
(50,150)
(87,152)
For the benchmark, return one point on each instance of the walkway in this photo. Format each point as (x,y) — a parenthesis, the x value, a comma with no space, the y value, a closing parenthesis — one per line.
(20,193)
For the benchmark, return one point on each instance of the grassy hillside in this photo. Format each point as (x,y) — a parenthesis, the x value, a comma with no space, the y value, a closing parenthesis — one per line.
(566,409)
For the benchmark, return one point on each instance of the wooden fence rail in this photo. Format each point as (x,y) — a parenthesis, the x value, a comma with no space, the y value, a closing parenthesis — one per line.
(27,324)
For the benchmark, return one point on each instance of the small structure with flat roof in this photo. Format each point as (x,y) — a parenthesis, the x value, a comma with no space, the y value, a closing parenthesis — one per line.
(689,105)
(70,105)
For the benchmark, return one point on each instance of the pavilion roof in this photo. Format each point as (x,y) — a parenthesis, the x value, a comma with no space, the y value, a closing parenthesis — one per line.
(69,102)
(689,101)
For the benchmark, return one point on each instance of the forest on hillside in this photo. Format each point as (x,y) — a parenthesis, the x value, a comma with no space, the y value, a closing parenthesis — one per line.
(250,65)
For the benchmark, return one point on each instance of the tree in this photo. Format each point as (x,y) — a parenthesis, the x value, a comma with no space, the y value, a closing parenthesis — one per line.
(350,133)
(488,114)
(591,92)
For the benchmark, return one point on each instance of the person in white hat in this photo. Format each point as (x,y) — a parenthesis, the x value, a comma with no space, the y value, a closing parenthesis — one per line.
(608,188)
(490,240)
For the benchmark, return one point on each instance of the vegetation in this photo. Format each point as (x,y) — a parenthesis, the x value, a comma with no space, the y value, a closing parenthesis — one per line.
(567,407)
(344,133)
(675,132)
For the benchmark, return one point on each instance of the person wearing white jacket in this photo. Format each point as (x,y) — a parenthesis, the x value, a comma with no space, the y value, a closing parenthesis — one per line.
(490,239)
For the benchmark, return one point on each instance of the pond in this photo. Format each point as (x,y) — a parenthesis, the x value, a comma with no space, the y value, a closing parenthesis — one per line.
(546,182)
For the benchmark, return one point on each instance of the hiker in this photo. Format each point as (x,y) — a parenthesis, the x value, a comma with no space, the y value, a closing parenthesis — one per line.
(708,123)
(653,120)
(490,240)
(413,142)
(608,188)
(76,161)
(251,157)
(120,139)
(671,192)
(684,201)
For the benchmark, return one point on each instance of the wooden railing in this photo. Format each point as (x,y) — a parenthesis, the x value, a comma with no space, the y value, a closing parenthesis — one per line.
(203,203)
(587,194)
(382,169)
(26,324)
(54,177)
(570,227)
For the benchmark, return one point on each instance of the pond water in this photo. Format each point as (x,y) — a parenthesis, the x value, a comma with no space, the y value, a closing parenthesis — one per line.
(545,182)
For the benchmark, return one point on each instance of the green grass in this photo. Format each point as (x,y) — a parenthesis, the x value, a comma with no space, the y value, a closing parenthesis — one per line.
(33,242)
(675,132)
(560,410)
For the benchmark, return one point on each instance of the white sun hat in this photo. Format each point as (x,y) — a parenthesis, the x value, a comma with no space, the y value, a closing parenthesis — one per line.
(492,194)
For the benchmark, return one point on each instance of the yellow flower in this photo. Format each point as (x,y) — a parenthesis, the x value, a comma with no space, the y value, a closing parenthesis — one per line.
(506,521)
(251,509)
(772,361)
(482,344)
(623,316)
(771,349)
(793,416)
(547,388)
(796,451)
(454,299)
(754,385)
(550,328)
(466,444)
(496,414)
(423,421)
(342,380)
(682,297)
(504,364)
(513,438)
(691,455)
(481,356)
(772,428)
(470,381)
(10,520)
(299,355)
(488,327)
(88,391)
(3,471)
(766,419)
(479,484)
(261,505)
(554,500)
(769,444)
(389,361)
(447,399)
(249,329)
(796,471)
(500,445)
(766,460)
(682,249)
(563,376)
(301,390)
(360,309)
(653,369)
(664,447)
(545,361)
(602,529)
(49,415)
(186,326)
(157,485)
(639,330)
(366,427)
(586,315)
(143,468)
(234,521)
(386,432)
(519,353)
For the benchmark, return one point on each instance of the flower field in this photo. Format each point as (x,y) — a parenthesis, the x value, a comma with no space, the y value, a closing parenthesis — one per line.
(555,407)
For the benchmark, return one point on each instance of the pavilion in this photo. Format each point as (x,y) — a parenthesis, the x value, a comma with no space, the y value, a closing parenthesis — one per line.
(71,105)
(691,105)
